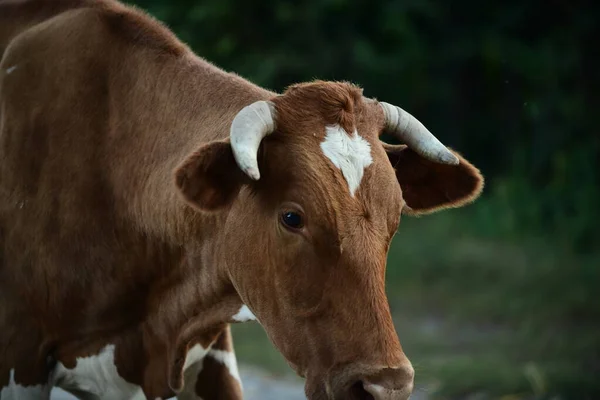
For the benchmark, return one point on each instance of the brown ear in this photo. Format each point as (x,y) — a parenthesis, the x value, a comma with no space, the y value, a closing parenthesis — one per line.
(428,187)
(210,179)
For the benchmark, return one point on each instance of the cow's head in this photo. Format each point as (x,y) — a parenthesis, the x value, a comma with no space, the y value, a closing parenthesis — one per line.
(313,199)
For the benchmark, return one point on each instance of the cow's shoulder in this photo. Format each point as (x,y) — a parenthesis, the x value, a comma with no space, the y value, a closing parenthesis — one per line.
(138,27)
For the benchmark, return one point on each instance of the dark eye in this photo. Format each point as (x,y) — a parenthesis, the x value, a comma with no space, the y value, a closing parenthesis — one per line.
(292,220)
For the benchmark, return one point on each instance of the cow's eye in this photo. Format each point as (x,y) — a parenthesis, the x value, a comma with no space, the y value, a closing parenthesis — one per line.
(292,220)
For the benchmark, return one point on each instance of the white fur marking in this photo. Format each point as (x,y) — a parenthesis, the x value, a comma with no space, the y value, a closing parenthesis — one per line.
(97,375)
(191,369)
(9,70)
(194,355)
(243,315)
(227,358)
(15,391)
(350,153)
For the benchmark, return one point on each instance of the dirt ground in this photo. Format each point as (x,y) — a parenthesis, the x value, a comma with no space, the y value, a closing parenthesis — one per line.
(258,385)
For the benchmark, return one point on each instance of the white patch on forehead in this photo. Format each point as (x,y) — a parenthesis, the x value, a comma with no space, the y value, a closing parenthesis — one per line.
(9,70)
(97,375)
(244,315)
(227,358)
(350,153)
(15,391)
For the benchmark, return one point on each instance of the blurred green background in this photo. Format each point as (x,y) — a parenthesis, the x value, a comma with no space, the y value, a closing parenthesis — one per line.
(502,298)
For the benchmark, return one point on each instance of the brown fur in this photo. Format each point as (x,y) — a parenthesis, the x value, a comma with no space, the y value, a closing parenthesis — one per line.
(336,102)
(429,187)
(124,218)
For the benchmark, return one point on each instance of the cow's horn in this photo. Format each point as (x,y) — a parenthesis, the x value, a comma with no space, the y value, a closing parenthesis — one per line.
(248,128)
(409,130)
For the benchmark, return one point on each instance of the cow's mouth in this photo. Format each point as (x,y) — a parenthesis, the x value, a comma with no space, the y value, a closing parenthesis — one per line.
(358,392)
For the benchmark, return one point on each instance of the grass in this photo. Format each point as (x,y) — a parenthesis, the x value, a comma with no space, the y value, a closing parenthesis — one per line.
(481,314)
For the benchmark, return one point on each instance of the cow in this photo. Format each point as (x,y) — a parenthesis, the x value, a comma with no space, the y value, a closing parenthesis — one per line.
(149,199)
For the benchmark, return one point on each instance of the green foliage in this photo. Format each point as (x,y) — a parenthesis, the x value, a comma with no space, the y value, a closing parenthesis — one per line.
(513,85)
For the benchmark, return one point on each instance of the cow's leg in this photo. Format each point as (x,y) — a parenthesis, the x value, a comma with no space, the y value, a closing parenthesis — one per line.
(23,367)
(218,379)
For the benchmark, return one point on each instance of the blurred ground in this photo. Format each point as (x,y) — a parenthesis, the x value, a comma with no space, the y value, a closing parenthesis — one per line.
(258,385)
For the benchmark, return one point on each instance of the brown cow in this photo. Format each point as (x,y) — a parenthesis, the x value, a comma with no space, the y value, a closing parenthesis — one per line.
(149,199)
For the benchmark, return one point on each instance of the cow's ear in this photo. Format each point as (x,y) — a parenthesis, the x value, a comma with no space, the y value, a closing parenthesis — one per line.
(209,179)
(428,187)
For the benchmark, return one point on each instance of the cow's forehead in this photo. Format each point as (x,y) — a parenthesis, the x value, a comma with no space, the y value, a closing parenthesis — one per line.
(349,152)
(338,177)
(328,134)
(325,161)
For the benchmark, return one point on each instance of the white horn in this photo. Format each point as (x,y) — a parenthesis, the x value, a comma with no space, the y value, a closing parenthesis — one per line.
(248,128)
(412,132)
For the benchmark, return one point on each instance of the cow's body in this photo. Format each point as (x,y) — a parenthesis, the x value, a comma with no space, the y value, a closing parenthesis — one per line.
(81,273)
(121,212)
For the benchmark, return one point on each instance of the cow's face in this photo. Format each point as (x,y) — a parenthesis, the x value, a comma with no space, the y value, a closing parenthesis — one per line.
(310,217)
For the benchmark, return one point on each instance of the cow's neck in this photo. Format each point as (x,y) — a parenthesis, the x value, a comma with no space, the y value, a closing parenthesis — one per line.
(154,125)
(190,311)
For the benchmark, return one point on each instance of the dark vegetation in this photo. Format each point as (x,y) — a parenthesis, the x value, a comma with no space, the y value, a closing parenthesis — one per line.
(500,298)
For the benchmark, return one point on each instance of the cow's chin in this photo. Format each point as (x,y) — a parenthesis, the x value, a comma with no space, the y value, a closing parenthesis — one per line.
(316,389)
(319,390)
(299,371)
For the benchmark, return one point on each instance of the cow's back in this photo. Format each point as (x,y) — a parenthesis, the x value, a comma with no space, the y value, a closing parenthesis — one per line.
(17,16)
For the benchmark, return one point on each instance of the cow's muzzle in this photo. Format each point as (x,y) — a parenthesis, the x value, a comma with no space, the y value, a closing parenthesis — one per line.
(374,384)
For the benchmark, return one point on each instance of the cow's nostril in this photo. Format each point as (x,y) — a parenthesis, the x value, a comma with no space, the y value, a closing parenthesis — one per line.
(358,392)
